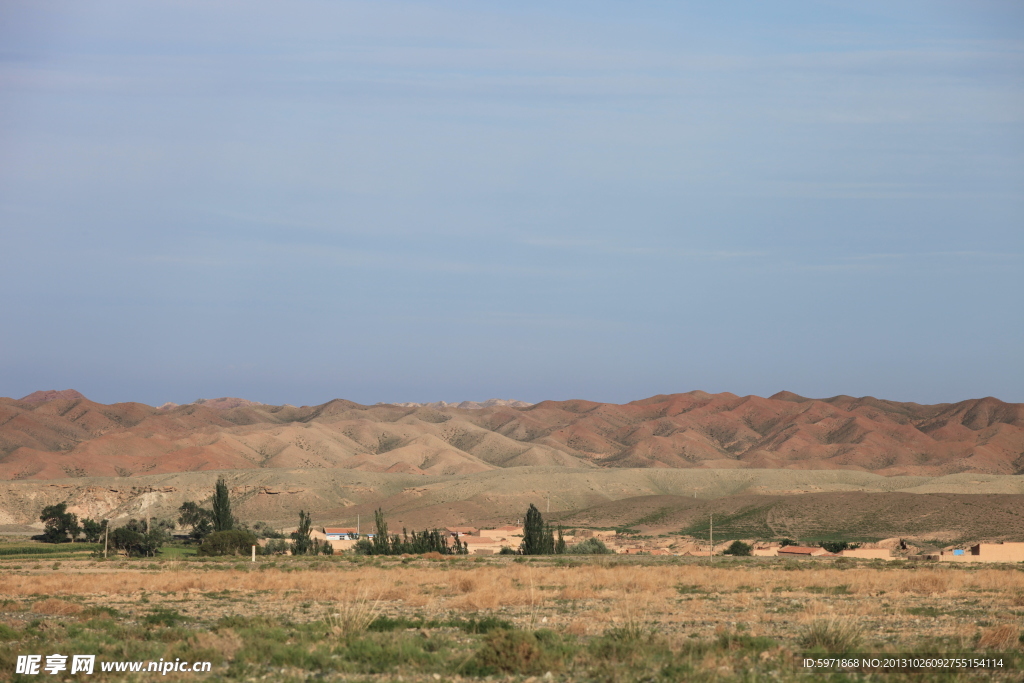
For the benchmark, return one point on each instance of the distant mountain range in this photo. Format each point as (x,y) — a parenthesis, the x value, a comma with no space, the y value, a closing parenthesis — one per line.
(58,434)
(466,405)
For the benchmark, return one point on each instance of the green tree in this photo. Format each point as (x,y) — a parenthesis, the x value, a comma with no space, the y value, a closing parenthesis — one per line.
(381,540)
(264,530)
(739,549)
(426,541)
(137,538)
(222,519)
(275,546)
(301,544)
(199,519)
(230,542)
(93,530)
(61,525)
(533,532)
(836,547)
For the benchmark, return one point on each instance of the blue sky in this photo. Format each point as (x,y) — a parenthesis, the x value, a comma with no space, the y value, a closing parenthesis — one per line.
(292,202)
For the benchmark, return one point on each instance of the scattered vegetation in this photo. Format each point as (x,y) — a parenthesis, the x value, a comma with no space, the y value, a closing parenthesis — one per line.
(385,543)
(443,617)
(231,542)
(590,546)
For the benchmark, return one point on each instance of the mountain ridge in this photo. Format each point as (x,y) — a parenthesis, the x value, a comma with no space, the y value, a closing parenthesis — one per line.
(52,435)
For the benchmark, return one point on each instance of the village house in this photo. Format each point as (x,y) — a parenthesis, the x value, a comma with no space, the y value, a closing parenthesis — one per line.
(482,545)
(801,551)
(982,552)
(868,553)
(765,549)
(340,533)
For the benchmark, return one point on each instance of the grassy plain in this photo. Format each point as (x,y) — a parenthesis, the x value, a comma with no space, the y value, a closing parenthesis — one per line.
(435,618)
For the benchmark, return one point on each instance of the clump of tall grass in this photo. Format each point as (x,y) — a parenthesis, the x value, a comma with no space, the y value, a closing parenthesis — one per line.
(1000,638)
(353,615)
(832,634)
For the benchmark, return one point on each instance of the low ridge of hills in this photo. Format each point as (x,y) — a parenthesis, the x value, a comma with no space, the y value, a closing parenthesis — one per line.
(746,503)
(54,435)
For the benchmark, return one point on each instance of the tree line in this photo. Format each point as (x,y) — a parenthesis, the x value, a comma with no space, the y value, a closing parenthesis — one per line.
(216,532)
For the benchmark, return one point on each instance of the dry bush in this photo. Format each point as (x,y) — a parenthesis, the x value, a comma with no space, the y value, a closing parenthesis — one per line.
(577,627)
(352,615)
(928,583)
(833,634)
(54,606)
(1000,638)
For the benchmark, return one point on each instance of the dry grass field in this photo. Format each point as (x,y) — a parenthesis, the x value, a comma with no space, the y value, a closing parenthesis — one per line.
(508,618)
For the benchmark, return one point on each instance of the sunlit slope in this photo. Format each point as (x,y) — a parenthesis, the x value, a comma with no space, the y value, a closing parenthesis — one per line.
(592,496)
(61,434)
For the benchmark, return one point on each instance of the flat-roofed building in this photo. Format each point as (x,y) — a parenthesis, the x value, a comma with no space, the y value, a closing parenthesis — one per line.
(801,551)
(867,553)
(340,533)
(983,552)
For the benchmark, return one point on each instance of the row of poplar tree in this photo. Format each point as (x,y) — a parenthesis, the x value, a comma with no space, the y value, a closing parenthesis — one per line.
(218,533)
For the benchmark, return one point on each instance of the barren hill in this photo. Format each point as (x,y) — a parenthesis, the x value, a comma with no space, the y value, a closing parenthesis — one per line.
(749,502)
(50,435)
(847,515)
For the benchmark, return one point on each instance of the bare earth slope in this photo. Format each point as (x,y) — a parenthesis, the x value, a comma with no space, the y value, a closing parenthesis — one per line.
(750,503)
(849,515)
(51,435)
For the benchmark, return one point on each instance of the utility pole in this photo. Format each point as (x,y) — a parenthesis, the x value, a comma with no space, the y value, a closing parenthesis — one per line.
(106,533)
(357,527)
(711,538)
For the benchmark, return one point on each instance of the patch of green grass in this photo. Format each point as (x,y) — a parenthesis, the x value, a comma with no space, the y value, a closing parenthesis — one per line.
(163,617)
(842,589)
(520,652)
(49,548)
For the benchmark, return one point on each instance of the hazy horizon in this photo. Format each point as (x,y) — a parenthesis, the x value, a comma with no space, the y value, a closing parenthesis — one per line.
(412,202)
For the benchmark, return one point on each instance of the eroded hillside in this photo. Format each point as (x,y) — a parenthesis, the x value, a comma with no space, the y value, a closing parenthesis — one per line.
(52,435)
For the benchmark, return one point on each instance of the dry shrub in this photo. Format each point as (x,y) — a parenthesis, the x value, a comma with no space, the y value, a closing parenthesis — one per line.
(465,584)
(473,602)
(834,634)
(577,627)
(352,615)
(54,606)
(572,593)
(1018,600)
(999,638)
(929,583)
